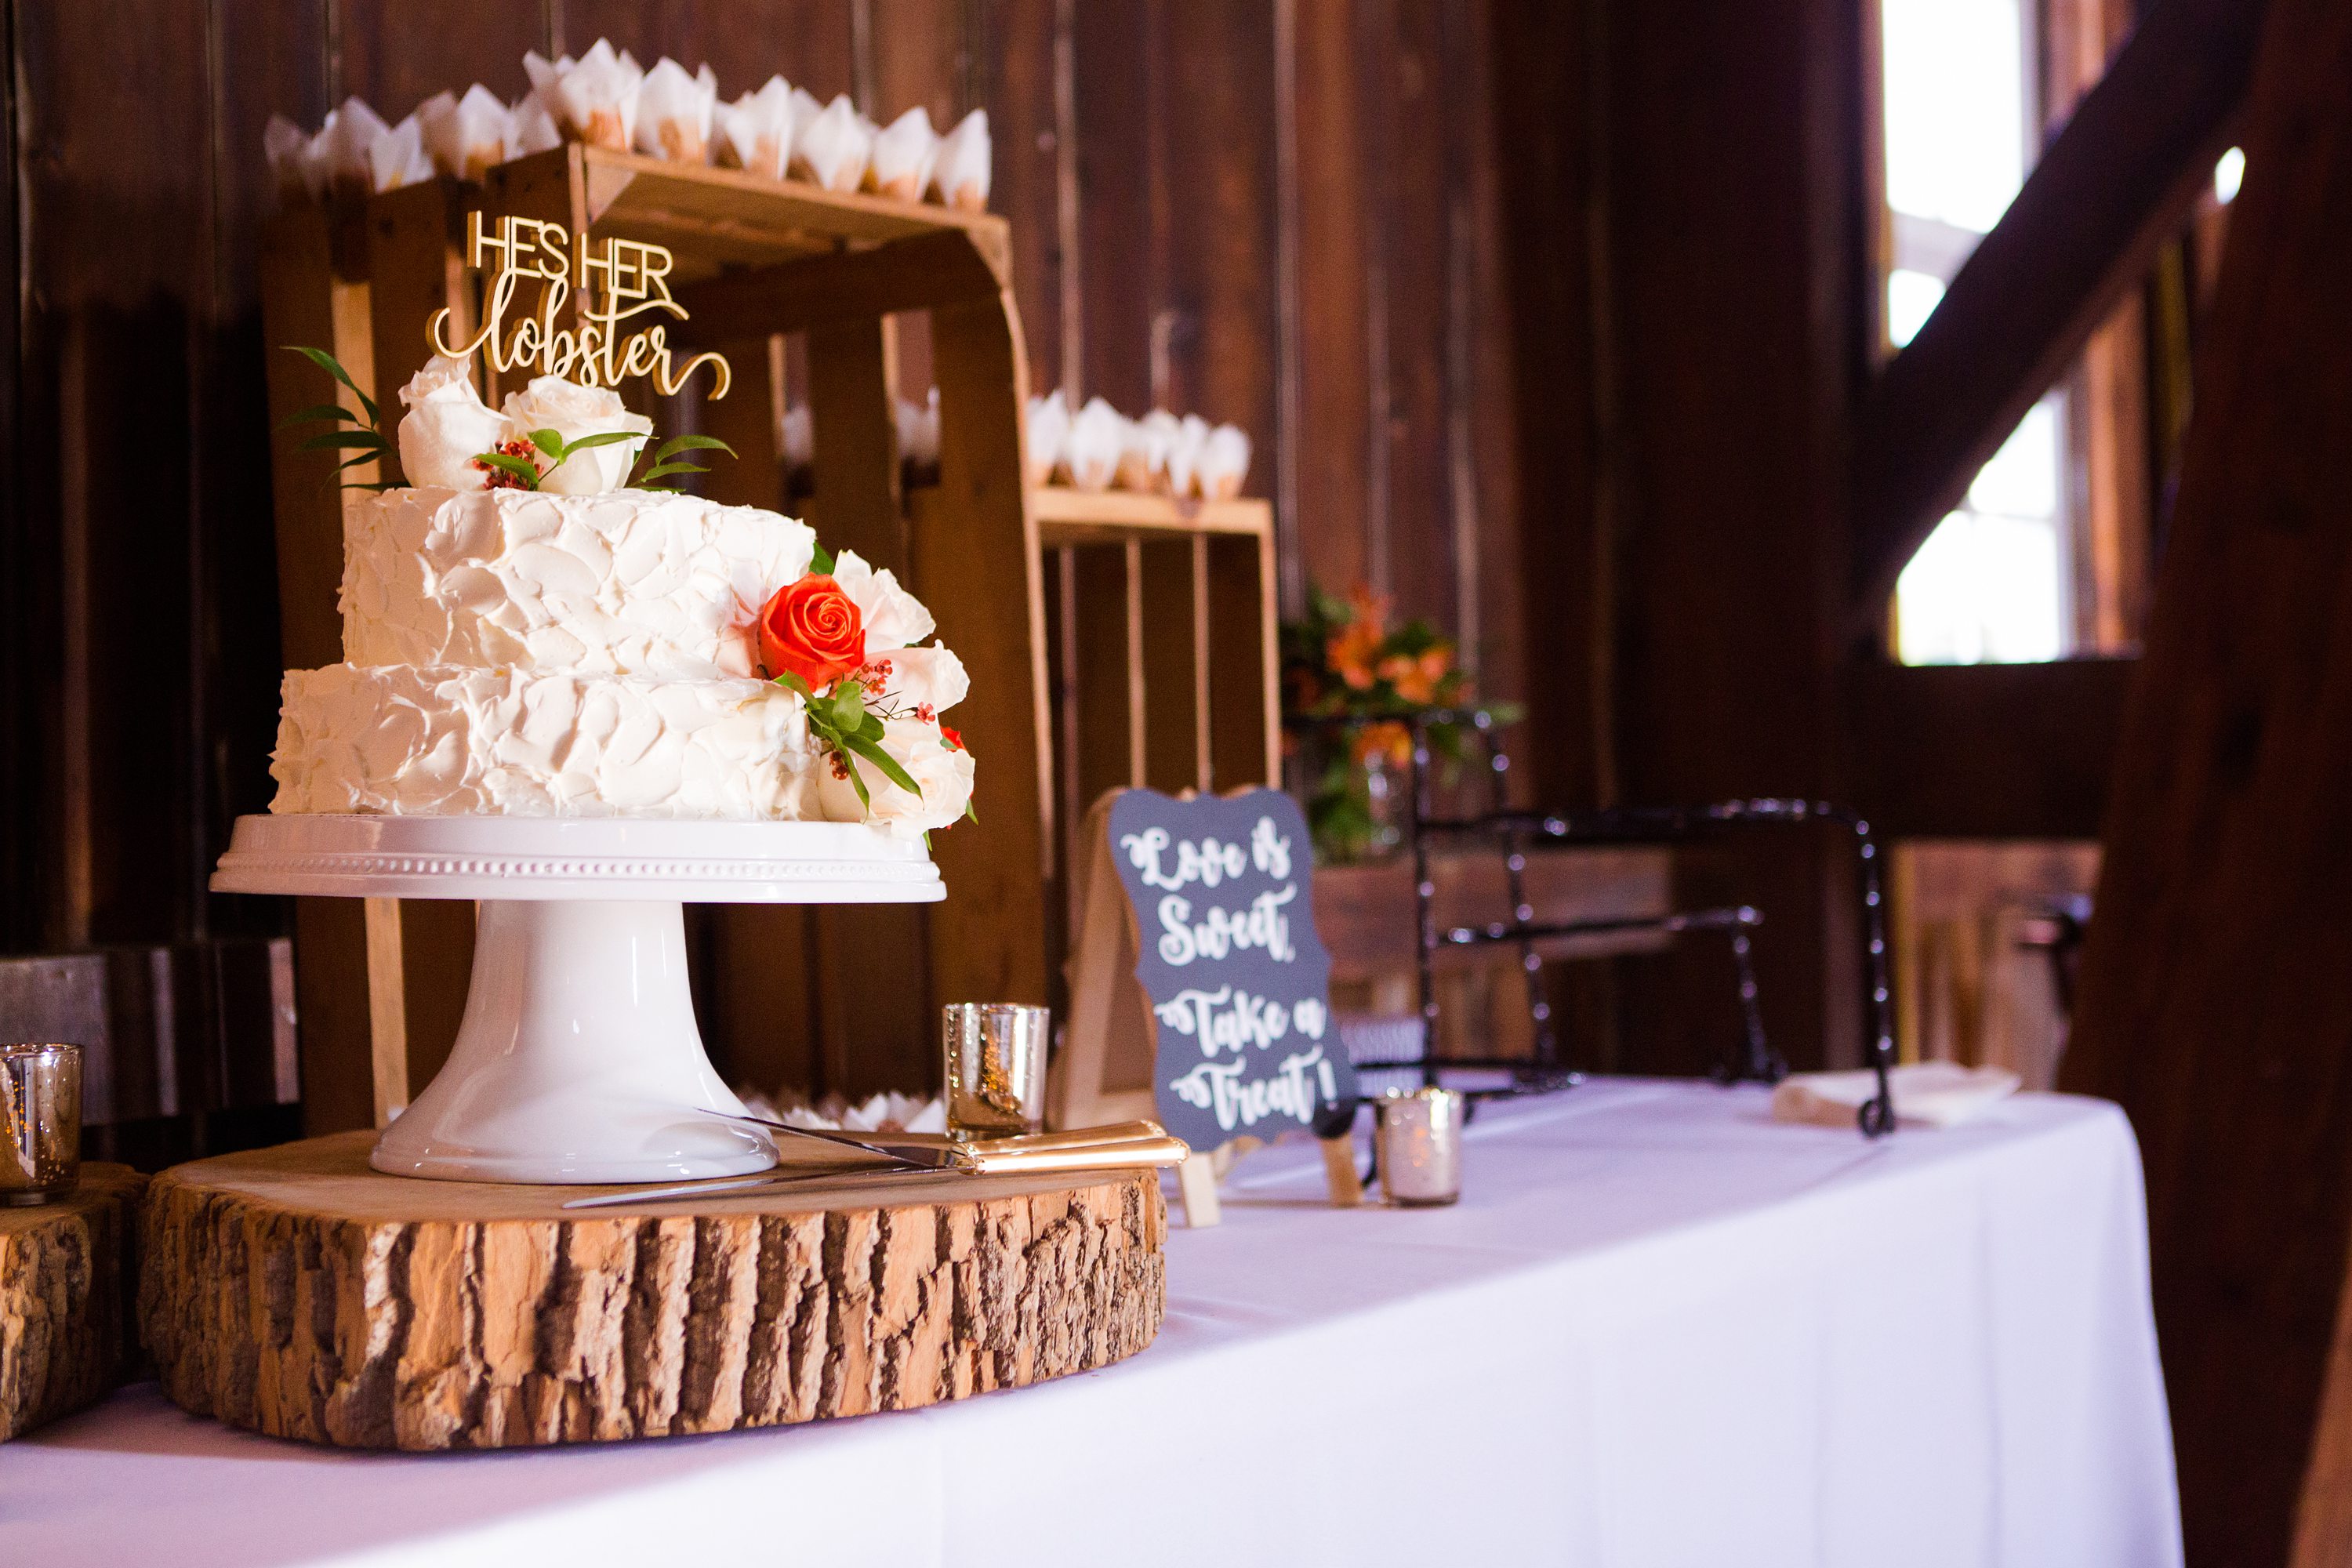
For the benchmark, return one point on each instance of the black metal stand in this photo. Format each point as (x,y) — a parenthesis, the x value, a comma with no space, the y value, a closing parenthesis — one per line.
(1753,1059)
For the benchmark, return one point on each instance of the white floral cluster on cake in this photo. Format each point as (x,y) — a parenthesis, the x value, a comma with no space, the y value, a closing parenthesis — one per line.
(847,639)
(450,437)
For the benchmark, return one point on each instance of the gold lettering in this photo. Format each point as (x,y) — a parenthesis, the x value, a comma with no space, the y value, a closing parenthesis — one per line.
(617,281)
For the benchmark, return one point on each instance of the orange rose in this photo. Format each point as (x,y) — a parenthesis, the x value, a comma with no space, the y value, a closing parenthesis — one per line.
(811,629)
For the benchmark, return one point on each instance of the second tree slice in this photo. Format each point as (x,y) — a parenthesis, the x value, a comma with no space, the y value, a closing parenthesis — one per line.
(297,1293)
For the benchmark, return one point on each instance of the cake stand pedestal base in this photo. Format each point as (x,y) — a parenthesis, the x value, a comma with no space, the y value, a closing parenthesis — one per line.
(296,1293)
(578,1059)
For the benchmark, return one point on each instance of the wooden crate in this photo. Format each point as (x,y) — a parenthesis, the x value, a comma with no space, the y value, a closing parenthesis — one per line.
(1160,625)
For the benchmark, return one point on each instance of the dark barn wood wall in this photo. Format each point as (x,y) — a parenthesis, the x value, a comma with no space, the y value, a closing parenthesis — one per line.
(1286,215)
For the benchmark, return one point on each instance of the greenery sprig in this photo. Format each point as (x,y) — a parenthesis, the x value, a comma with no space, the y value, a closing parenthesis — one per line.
(366,436)
(842,720)
(663,467)
(528,473)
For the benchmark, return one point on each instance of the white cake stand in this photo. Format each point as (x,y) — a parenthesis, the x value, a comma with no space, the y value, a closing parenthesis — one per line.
(578,1059)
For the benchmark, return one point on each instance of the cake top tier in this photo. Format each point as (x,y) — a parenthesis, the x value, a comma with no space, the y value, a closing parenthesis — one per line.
(624,583)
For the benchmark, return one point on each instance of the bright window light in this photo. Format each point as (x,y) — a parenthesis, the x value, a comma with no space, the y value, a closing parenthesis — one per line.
(1990,585)
(2229,175)
(2022,479)
(1911,299)
(1955,97)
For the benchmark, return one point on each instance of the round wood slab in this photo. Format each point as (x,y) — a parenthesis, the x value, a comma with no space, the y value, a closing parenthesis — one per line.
(65,1288)
(295,1292)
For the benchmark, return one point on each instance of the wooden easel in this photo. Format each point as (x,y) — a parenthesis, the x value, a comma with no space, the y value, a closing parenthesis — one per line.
(1104,1071)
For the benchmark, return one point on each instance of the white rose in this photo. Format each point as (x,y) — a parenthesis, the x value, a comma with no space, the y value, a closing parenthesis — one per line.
(571,411)
(943,771)
(927,677)
(446,426)
(894,618)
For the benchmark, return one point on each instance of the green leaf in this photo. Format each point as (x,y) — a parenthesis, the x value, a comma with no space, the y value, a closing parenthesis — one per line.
(971,816)
(858,784)
(355,462)
(666,469)
(333,367)
(677,444)
(603,440)
(325,439)
(330,411)
(821,563)
(521,468)
(375,485)
(848,705)
(792,682)
(884,764)
(549,442)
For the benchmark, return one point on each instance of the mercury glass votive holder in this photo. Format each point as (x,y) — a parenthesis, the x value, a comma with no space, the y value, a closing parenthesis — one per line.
(1417,1146)
(995,1073)
(41,1122)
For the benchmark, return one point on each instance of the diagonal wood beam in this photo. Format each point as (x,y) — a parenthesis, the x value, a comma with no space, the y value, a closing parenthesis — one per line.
(2116,182)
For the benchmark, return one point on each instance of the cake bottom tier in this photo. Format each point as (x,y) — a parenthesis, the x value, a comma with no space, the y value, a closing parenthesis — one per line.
(443,740)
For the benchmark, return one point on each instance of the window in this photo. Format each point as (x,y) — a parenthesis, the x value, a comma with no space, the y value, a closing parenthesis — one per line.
(1992,584)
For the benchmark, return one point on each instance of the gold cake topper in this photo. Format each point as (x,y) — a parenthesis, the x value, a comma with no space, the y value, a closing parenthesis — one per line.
(624,278)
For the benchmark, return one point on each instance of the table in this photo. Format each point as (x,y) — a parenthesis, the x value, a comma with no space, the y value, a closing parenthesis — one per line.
(1659,1329)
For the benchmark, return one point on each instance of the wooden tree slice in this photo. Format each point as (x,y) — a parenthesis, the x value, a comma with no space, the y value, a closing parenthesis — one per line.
(65,1294)
(297,1293)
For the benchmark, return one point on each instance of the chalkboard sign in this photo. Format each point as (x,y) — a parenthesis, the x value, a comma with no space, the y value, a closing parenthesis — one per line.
(1238,983)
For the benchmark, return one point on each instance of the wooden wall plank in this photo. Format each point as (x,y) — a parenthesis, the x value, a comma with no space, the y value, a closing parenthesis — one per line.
(114,125)
(395,54)
(1213,321)
(1121,236)
(1554,242)
(1732,255)
(1016,50)
(1340,432)
(1405,128)
(1483,441)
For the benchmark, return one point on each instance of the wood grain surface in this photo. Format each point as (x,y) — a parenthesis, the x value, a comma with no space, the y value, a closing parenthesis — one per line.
(65,1296)
(2212,1005)
(296,1293)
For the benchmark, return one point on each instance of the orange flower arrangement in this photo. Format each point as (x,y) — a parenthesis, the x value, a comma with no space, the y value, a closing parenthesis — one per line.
(1353,684)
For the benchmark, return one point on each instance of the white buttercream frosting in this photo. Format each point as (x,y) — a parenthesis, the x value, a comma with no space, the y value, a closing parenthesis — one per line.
(628,582)
(440,741)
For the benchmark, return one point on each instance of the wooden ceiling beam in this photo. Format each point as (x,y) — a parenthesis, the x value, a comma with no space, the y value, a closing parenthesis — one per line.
(2104,194)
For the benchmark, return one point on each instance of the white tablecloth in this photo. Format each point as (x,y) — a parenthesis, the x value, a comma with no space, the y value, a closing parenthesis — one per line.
(1659,1329)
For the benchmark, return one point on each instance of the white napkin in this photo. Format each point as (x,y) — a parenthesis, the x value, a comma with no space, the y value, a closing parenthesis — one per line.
(1932,1094)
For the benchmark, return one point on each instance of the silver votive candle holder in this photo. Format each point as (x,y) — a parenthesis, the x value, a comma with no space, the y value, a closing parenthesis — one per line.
(41,1122)
(995,1068)
(1417,1146)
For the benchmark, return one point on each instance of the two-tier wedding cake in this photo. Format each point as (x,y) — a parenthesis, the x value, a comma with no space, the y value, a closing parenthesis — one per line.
(530,637)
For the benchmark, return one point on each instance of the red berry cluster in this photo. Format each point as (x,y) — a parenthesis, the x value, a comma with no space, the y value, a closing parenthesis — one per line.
(501,479)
